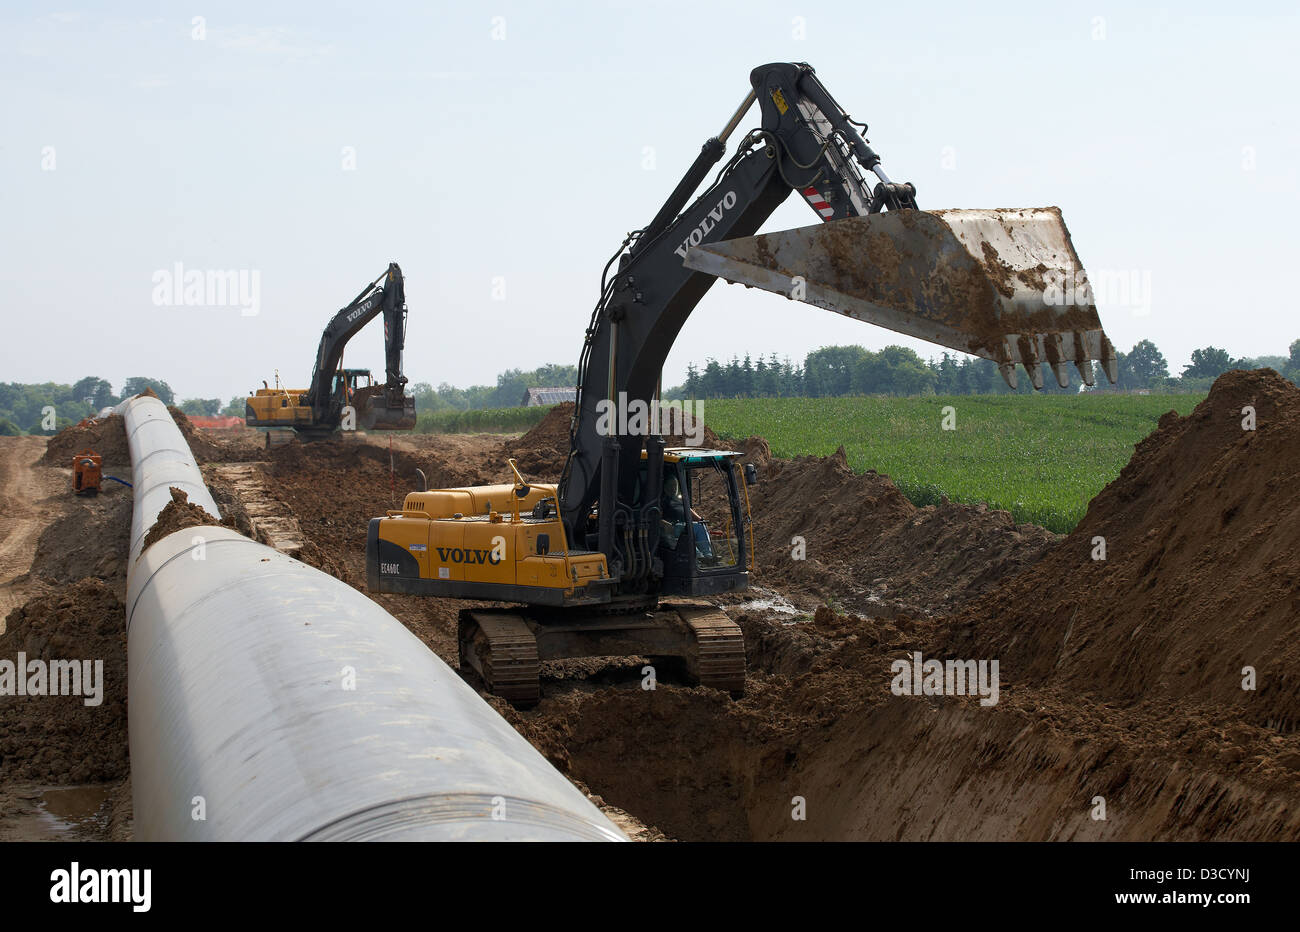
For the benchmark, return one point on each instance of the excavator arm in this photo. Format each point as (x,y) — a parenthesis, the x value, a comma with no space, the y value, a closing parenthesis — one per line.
(947,291)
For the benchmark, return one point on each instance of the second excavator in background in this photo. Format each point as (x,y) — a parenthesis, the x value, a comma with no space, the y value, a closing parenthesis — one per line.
(341,398)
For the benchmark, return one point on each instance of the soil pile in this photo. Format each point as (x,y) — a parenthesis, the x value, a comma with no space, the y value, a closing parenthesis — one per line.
(335,487)
(60,739)
(219,447)
(1201,576)
(94,539)
(542,451)
(828,531)
(177,515)
(106,436)
(328,458)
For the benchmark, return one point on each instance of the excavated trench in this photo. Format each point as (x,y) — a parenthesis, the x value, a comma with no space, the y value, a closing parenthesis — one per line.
(1121,713)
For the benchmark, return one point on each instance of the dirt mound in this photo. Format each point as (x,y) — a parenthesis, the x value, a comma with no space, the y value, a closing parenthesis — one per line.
(335,487)
(325,457)
(820,731)
(822,528)
(207,449)
(92,540)
(60,739)
(106,436)
(179,514)
(542,451)
(1201,576)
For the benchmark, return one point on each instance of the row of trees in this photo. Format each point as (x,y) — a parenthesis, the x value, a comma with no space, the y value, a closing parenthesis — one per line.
(506,393)
(26,408)
(829,371)
(23,408)
(896,370)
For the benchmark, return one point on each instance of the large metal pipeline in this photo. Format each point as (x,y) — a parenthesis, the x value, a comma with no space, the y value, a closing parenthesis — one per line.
(270,701)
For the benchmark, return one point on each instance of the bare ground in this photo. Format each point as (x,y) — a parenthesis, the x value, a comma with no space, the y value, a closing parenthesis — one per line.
(1117,685)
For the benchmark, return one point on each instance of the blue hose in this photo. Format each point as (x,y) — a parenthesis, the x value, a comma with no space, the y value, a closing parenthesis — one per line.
(115,479)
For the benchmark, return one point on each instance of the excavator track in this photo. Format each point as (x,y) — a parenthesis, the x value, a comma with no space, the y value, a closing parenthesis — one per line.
(716,654)
(502,649)
(505,647)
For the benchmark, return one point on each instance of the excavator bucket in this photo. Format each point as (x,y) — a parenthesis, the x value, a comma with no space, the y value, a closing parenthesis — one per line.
(1003,284)
(376,410)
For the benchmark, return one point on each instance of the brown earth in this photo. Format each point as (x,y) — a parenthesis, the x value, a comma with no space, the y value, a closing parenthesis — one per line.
(177,515)
(210,446)
(1202,547)
(1120,679)
(107,437)
(30,496)
(91,539)
(60,739)
(63,765)
(541,452)
(864,545)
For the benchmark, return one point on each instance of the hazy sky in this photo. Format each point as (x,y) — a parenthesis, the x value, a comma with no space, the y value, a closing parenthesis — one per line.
(514,144)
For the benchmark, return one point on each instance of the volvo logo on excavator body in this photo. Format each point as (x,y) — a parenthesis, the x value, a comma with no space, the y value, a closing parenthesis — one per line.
(464,555)
(707,224)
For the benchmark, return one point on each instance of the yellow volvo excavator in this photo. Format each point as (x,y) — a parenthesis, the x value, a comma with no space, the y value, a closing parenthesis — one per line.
(616,558)
(345,398)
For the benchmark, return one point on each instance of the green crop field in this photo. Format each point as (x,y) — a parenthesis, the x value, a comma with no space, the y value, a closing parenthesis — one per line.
(1040,457)
(479,420)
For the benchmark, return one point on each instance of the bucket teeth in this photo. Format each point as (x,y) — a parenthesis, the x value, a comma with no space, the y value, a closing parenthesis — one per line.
(983,282)
(1054,349)
(1109,360)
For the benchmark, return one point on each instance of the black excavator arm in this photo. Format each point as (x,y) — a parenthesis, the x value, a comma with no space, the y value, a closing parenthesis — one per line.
(805,142)
(385,295)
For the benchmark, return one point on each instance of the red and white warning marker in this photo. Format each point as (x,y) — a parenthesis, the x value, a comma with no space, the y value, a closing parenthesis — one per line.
(818,202)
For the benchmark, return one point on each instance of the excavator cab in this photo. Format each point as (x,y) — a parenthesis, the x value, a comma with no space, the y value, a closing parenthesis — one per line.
(701,540)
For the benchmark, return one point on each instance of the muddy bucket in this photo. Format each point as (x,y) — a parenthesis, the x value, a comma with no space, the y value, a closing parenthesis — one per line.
(1004,284)
(376,411)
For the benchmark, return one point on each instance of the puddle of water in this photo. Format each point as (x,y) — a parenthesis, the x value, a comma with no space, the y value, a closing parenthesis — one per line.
(767,600)
(67,808)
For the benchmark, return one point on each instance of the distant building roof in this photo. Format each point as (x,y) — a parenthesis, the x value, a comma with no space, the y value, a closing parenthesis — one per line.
(548,396)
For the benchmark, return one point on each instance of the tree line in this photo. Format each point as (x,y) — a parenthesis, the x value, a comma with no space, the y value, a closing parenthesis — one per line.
(827,372)
(896,370)
(23,407)
(48,407)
